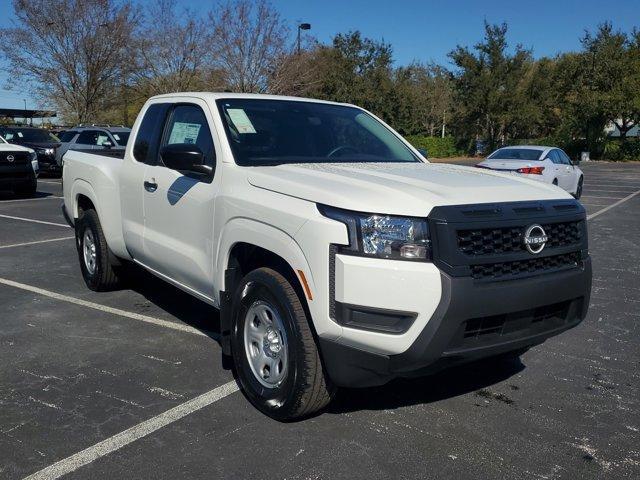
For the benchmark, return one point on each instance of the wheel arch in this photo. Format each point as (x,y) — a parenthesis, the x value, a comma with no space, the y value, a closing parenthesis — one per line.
(246,245)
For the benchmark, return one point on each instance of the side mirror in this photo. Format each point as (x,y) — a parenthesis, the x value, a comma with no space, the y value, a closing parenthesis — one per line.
(185,157)
(423,152)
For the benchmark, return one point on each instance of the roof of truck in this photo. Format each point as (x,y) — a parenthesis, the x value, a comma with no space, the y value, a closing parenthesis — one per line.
(222,95)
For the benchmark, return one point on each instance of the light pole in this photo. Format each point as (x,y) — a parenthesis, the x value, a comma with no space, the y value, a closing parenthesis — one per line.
(25,110)
(302,26)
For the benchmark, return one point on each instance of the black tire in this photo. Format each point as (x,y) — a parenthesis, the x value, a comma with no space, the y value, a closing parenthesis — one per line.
(104,276)
(28,190)
(555,182)
(579,188)
(305,388)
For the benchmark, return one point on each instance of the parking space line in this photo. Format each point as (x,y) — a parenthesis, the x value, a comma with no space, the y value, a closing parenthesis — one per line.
(51,197)
(103,308)
(11,217)
(36,242)
(124,438)
(606,209)
(604,198)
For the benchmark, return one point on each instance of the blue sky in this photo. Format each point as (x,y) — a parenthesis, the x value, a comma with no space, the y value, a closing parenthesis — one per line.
(427,30)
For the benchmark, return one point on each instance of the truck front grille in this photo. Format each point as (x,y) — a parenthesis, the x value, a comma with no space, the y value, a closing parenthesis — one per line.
(494,241)
(525,267)
(19,158)
(486,242)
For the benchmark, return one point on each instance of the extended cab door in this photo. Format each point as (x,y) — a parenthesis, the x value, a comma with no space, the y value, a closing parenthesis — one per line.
(144,153)
(179,206)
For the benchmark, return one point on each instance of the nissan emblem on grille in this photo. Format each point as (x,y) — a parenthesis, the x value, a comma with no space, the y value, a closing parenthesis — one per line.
(10,158)
(535,238)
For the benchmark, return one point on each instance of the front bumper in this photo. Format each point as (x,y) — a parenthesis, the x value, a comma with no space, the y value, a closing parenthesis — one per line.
(473,320)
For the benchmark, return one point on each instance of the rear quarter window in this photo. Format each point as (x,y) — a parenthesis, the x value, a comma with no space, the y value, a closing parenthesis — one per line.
(145,148)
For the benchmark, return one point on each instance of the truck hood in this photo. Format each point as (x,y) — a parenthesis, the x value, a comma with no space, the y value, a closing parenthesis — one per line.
(10,147)
(398,188)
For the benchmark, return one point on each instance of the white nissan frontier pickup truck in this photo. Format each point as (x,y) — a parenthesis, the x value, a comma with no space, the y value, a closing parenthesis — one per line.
(337,255)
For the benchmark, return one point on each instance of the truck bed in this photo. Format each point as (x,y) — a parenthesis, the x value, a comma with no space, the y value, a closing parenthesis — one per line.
(103,153)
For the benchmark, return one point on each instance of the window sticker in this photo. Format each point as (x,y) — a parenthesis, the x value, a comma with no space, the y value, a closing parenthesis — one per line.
(240,120)
(184,132)
(20,134)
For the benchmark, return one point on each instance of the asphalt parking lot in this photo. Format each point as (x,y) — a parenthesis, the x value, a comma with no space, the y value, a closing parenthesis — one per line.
(129,384)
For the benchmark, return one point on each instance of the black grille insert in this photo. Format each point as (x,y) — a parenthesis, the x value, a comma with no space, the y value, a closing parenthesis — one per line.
(496,328)
(495,241)
(19,158)
(528,266)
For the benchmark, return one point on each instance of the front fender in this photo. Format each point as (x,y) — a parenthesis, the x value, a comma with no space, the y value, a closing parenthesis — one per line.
(244,230)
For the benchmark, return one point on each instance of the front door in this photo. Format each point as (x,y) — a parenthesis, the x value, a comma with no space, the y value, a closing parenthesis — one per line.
(179,206)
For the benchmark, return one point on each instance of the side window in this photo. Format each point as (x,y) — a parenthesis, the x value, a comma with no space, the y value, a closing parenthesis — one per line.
(66,137)
(188,125)
(145,148)
(565,158)
(88,137)
(553,155)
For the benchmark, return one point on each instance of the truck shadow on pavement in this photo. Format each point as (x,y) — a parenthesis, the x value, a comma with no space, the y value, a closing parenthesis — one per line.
(453,382)
(9,195)
(174,301)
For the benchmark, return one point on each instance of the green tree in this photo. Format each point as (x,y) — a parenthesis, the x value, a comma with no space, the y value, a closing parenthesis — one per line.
(357,70)
(492,89)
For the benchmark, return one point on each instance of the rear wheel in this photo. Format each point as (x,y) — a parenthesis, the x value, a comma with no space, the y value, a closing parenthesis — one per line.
(578,193)
(555,182)
(275,356)
(96,262)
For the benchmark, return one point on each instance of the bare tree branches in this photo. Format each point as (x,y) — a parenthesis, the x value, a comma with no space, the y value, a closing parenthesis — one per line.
(247,41)
(74,59)
(171,50)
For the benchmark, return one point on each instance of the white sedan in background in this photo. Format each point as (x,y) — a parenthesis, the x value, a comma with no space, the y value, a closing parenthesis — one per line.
(545,164)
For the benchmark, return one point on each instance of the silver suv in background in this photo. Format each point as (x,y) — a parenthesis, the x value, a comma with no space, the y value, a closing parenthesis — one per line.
(93,137)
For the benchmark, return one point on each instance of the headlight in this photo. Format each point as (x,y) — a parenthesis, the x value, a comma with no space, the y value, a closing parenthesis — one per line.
(383,236)
(34,162)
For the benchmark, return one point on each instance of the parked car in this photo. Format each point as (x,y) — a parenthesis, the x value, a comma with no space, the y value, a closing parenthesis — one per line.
(337,255)
(18,169)
(544,164)
(38,139)
(93,138)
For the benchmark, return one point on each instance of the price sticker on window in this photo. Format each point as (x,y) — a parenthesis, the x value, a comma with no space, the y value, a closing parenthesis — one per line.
(241,120)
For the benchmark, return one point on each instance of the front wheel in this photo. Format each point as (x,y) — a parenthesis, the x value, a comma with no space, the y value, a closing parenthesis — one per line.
(96,263)
(275,356)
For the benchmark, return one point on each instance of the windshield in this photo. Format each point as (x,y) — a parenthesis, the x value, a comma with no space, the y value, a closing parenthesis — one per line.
(273,132)
(18,135)
(516,154)
(121,137)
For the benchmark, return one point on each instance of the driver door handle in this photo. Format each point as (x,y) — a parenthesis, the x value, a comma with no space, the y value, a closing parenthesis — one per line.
(151,186)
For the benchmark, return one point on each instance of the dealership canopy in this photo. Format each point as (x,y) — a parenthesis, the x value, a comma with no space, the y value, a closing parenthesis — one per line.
(23,113)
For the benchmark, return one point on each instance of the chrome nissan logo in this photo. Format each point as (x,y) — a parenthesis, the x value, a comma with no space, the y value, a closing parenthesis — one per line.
(535,238)
(10,158)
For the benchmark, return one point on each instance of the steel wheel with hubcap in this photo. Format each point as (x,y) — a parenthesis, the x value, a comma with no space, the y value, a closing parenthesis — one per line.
(89,251)
(275,357)
(265,344)
(96,262)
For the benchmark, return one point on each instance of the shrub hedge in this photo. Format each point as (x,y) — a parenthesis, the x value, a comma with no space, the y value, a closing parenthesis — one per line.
(437,147)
